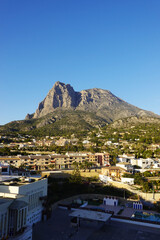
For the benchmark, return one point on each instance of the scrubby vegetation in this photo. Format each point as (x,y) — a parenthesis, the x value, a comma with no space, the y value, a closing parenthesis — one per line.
(62,188)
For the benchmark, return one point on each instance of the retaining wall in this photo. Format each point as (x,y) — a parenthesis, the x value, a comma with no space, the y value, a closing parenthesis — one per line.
(146,224)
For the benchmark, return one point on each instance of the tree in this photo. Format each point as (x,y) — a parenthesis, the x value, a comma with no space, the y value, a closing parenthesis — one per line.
(113,159)
(138,179)
(82,166)
(52,166)
(146,187)
(86,165)
(147,174)
(127,175)
(76,175)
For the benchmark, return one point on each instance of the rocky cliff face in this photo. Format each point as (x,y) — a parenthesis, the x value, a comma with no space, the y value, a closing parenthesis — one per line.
(101,102)
(60,96)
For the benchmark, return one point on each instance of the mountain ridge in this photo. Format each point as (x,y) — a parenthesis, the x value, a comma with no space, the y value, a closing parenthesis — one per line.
(65,111)
(102,102)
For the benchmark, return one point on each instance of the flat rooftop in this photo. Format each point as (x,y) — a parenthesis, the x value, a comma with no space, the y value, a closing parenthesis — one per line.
(91,215)
(18,180)
(4,178)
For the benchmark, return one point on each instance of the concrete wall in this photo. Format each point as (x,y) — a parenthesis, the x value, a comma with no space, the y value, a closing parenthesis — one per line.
(127,180)
(4,218)
(136,222)
(40,185)
(67,173)
(26,235)
(9,189)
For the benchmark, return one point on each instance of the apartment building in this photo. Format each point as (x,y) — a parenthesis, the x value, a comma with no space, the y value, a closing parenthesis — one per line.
(11,160)
(35,162)
(143,163)
(4,205)
(4,168)
(125,158)
(125,165)
(56,161)
(103,159)
(21,205)
(66,161)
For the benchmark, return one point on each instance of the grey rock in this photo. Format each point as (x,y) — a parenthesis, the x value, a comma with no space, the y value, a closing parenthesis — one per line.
(101,102)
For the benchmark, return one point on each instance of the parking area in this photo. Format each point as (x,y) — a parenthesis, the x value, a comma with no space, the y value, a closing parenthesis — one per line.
(58,227)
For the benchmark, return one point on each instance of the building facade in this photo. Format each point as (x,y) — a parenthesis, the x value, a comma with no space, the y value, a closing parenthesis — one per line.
(56,161)
(21,206)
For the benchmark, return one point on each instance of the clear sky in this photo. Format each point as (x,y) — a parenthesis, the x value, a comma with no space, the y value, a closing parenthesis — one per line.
(108,44)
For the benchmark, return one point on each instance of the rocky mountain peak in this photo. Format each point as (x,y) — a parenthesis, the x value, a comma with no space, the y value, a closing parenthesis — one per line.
(60,96)
(98,101)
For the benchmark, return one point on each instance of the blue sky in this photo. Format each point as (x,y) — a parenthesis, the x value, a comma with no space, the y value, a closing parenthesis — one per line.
(108,44)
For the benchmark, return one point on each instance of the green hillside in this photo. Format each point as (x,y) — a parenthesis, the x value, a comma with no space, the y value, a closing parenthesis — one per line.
(57,123)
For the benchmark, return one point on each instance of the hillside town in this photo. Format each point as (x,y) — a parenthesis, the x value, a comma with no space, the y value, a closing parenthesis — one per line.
(80,120)
(23,185)
(29,163)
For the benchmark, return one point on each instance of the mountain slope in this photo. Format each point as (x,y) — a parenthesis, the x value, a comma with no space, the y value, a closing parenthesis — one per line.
(59,123)
(98,101)
(65,110)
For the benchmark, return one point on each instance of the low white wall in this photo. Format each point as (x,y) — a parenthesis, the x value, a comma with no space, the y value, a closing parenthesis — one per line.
(136,223)
(84,205)
(127,180)
(104,178)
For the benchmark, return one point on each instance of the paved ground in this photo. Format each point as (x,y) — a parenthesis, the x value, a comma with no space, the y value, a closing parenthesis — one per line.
(128,212)
(123,231)
(58,227)
(115,209)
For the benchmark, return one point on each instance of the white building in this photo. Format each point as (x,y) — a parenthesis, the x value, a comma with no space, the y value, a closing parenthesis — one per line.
(125,165)
(125,158)
(105,179)
(127,180)
(21,207)
(156,165)
(108,143)
(86,142)
(112,201)
(143,163)
(4,204)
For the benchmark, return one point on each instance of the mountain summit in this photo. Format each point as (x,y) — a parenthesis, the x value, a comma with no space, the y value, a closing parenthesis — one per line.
(65,111)
(101,102)
(60,96)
